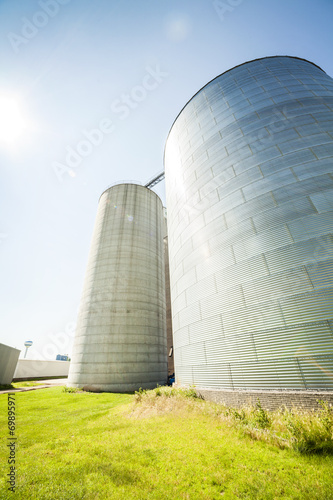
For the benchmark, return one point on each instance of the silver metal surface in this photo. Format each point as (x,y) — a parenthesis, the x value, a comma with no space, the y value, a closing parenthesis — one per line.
(120,342)
(249,184)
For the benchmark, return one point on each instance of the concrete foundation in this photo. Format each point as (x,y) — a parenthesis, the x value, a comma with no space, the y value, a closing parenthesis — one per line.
(270,400)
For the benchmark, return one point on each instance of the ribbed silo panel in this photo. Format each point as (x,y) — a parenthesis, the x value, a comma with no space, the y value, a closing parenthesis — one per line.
(182,337)
(323,201)
(313,306)
(321,274)
(304,252)
(226,237)
(184,375)
(206,288)
(241,272)
(306,340)
(249,191)
(277,215)
(277,286)
(193,351)
(231,349)
(255,375)
(317,370)
(258,317)
(212,328)
(213,376)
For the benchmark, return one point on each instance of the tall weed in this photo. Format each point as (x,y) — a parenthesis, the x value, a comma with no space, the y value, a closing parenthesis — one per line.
(311,432)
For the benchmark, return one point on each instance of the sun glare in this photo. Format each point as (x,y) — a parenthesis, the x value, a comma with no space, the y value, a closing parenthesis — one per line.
(12,123)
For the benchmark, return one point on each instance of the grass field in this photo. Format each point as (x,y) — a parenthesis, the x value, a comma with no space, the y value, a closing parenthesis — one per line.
(107,446)
(25,383)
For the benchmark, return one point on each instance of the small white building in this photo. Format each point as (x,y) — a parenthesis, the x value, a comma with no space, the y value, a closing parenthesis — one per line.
(8,361)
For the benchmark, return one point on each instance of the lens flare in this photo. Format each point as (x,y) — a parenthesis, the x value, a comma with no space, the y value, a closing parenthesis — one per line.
(12,123)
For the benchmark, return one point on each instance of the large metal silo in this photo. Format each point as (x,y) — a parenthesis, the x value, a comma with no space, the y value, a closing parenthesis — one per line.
(120,342)
(249,181)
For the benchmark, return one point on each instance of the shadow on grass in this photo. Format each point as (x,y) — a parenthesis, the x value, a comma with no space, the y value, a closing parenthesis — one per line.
(7,387)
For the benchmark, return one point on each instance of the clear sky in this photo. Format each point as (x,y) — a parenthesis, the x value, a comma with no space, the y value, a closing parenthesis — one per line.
(88,92)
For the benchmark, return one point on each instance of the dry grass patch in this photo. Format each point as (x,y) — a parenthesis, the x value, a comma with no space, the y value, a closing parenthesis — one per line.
(164,400)
(303,431)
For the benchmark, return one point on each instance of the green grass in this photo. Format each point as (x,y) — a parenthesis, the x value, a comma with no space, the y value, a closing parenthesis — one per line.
(28,383)
(154,445)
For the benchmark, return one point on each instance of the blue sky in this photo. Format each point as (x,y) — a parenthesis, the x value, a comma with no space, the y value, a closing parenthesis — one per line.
(88,92)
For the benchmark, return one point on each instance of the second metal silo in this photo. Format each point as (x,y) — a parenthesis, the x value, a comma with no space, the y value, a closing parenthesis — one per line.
(120,342)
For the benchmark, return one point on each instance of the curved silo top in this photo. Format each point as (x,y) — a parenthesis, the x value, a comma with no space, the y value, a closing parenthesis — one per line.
(128,183)
(232,69)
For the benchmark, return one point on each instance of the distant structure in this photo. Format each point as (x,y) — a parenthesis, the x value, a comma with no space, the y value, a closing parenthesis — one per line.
(27,344)
(248,168)
(62,357)
(120,343)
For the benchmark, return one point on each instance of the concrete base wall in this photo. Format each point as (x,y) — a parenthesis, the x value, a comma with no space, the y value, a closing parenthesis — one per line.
(29,368)
(270,400)
(8,361)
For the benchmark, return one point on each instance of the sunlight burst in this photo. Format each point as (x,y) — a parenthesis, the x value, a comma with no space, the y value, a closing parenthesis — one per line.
(12,123)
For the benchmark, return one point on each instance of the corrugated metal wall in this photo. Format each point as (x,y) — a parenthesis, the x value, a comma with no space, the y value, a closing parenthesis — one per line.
(249,164)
